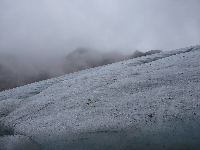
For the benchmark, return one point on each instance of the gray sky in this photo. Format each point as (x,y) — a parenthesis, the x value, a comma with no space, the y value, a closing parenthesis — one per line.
(49,27)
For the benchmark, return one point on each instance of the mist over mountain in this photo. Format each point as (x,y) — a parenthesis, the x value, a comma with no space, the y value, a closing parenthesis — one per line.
(16,71)
(83,58)
(42,39)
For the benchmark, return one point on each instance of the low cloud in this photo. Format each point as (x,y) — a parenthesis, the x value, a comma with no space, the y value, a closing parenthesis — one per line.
(15,71)
(37,37)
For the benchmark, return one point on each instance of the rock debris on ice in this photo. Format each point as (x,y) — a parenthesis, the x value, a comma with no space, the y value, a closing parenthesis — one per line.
(151,102)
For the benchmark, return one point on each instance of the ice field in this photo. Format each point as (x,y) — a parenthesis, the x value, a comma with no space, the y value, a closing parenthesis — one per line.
(151,102)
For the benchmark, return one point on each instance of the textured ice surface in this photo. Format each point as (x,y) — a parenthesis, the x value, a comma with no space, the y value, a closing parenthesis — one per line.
(150,102)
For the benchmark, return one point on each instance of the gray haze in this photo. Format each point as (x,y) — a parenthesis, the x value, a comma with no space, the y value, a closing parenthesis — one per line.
(40,39)
(15,71)
(49,27)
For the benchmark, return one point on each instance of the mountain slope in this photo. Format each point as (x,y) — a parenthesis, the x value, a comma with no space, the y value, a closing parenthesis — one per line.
(150,102)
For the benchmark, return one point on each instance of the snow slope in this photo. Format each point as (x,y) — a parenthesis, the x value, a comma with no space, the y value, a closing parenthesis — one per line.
(151,102)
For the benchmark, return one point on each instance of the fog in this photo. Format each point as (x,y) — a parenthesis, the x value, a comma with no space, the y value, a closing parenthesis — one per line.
(58,26)
(16,71)
(37,37)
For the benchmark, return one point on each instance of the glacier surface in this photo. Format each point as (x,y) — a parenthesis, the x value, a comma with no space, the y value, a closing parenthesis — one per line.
(151,102)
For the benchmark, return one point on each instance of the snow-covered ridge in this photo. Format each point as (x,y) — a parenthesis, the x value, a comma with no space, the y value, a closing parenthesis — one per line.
(35,88)
(147,103)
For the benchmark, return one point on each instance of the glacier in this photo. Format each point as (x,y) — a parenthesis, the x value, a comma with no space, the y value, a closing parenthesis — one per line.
(149,102)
